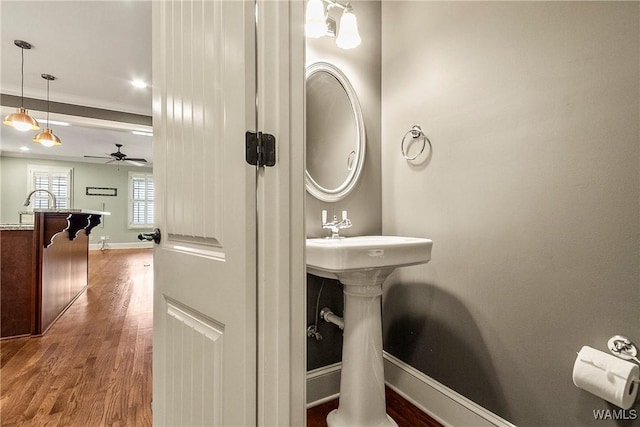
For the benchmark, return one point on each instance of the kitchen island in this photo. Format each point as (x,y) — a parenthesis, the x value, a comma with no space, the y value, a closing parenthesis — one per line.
(45,267)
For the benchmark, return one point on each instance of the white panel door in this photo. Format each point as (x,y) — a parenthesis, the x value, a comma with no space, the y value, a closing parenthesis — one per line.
(204,347)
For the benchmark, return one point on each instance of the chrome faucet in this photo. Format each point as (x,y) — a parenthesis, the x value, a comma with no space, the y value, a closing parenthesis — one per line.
(335,226)
(53,197)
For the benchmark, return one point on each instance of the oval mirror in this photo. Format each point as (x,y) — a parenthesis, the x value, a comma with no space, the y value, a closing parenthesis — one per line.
(335,133)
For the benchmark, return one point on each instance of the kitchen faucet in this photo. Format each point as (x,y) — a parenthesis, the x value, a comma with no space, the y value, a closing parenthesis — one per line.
(335,225)
(53,197)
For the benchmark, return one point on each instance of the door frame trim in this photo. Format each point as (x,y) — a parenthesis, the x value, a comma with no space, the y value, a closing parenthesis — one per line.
(281,236)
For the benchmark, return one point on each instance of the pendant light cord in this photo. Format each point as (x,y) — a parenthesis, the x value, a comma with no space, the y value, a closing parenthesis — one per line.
(48,104)
(22,80)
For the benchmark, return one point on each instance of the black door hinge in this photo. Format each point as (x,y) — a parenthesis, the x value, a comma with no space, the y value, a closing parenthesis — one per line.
(260,149)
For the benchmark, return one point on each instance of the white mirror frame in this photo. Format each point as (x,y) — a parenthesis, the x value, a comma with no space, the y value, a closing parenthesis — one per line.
(339,193)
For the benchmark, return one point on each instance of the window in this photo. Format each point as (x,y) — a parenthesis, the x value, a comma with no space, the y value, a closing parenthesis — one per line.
(140,200)
(58,180)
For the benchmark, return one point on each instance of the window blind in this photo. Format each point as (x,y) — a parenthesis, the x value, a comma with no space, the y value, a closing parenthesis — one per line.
(141,198)
(56,180)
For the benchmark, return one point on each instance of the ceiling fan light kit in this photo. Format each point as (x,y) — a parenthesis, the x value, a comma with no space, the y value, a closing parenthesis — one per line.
(21,119)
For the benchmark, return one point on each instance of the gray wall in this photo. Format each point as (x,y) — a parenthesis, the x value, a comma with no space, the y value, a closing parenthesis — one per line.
(14,190)
(531,195)
(362,67)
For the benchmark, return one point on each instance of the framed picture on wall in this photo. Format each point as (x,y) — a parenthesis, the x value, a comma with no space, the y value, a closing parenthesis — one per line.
(101,191)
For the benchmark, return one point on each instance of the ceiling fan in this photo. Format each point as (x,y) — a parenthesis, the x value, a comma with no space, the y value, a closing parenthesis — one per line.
(118,156)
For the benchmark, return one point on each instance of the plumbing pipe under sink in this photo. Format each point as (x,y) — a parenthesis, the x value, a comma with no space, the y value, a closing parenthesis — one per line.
(328,316)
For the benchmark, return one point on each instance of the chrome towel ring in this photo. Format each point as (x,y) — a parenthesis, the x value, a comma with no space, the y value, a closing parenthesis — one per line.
(416,133)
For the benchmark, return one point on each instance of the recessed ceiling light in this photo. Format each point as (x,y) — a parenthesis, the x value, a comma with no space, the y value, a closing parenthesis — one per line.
(23,148)
(138,132)
(139,84)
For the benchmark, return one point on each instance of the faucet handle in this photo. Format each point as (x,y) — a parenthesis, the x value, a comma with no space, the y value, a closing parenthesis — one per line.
(346,222)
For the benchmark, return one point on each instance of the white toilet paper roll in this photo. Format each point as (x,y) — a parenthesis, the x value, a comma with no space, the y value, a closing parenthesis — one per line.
(606,376)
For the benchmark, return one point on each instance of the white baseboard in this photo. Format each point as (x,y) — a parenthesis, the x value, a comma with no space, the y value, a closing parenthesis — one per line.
(446,406)
(128,245)
(323,384)
(440,402)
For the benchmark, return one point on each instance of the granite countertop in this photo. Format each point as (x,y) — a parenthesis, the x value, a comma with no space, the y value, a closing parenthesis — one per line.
(4,227)
(84,211)
(28,226)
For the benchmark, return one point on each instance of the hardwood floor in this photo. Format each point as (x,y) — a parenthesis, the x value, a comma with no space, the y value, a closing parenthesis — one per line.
(403,412)
(93,367)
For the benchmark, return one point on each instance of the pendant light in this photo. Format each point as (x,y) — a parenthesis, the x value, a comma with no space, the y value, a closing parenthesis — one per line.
(46,137)
(348,36)
(21,120)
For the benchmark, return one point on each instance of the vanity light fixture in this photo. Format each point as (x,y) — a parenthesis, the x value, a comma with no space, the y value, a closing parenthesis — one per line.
(316,24)
(21,119)
(348,36)
(46,137)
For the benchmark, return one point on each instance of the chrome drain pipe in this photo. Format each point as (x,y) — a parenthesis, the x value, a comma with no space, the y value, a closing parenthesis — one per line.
(328,316)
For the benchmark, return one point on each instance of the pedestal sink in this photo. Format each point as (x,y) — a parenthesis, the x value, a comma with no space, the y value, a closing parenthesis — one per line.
(361,264)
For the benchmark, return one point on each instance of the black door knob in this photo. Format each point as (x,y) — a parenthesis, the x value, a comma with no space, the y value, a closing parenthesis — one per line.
(154,235)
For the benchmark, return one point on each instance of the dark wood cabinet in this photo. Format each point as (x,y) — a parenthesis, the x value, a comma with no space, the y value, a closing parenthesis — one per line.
(44,270)
(17,299)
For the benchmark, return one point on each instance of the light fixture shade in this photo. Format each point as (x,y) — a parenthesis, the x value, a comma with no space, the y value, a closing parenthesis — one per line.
(47,138)
(21,120)
(315,24)
(348,36)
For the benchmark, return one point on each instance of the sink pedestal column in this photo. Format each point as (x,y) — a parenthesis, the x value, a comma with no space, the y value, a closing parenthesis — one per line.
(362,397)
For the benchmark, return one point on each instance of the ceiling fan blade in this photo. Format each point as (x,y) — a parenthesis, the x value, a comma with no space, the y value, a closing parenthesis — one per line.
(133,162)
(97,157)
(134,159)
(110,161)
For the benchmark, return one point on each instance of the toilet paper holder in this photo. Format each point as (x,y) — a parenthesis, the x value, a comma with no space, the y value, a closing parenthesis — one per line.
(623,348)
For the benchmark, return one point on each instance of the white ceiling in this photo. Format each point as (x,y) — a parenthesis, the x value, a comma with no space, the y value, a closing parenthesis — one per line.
(94,49)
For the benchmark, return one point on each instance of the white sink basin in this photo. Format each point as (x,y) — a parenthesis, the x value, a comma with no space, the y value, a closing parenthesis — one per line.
(332,258)
(362,264)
